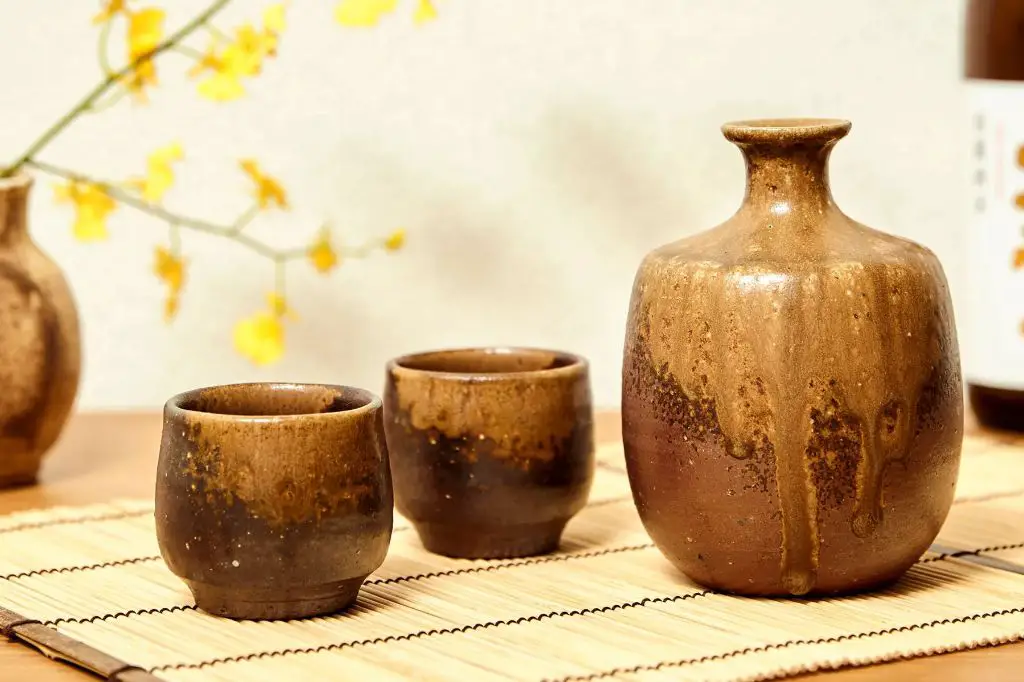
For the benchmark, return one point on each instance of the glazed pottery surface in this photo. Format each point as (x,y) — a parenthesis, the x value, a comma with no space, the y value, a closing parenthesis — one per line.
(491,449)
(39,342)
(792,406)
(274,500)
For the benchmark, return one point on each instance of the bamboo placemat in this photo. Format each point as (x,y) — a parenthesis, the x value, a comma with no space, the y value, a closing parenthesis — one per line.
(88,584)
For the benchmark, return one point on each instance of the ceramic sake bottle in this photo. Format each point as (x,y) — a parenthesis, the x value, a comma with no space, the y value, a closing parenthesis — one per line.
(792,406)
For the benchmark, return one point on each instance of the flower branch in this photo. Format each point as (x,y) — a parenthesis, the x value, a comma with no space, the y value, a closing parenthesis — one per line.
(230,59)
(233,231)
(94,199)
(109,81)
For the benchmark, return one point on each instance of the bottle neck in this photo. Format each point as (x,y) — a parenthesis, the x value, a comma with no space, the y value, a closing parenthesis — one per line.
(787,170)
(14,193)
(785,180)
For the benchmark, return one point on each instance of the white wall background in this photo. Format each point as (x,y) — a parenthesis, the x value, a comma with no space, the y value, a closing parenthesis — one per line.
(534,150)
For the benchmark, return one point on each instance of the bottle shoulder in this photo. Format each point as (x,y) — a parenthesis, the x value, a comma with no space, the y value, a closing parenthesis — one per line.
(744,244)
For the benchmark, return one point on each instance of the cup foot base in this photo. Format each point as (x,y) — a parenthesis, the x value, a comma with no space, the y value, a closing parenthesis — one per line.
(501,542)
(243,603)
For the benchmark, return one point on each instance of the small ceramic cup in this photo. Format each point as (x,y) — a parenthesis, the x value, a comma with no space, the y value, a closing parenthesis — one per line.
(273,501)
(492,449)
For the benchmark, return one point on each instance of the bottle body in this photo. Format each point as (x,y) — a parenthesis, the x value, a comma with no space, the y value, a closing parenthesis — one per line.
(792,406)
(994,320)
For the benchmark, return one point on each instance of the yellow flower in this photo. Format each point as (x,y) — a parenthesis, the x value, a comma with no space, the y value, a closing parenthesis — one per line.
(360,13)
(1018,259)
(261,336)
(321,254)
(210,61)
(145,31)
(170,269)
(241,58)
(159,174)
(273,25)
(222,86)
(425,11)
(268,190)
(92,206)
(395,240)
(245,55)
(110,8)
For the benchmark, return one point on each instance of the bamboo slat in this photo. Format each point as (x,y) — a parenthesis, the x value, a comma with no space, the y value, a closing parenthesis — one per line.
(606,605)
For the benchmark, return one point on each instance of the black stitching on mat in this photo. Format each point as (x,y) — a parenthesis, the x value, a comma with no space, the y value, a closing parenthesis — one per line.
(435,574)
(970,552)
(572,613)
(993,548)
(119,614)
(103,564)
(550,559)
(138,560)
(835,639)
(69,521)
(381,581)
(76,569)
(420,576)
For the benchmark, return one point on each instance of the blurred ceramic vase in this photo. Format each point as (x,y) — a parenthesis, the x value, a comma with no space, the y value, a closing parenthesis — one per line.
(39,344)
(792,404)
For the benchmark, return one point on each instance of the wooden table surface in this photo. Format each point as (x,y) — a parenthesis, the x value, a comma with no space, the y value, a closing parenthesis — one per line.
(105,455)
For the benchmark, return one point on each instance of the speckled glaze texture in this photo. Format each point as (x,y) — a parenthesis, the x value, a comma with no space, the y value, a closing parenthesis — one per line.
(39,343)
(492,449)
(274,501)
(792,407)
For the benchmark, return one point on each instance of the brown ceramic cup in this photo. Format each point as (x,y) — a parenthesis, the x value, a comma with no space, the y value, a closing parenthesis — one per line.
(491,449)
(273,501)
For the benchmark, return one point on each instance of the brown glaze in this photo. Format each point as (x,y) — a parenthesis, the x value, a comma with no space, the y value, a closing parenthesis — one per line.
(273,501)
(492,449)
(39,343)
(792,408)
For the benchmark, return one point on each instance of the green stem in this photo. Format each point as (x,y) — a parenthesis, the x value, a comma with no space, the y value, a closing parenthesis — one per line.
(104,43)
(110,101)
(279,278)
(93,95)
(129,199)
(243,220)
(174,236)
(218,34)
(188,51)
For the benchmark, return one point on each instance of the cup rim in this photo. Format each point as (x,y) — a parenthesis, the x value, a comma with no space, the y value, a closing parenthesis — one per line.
(576,363)
(173,406)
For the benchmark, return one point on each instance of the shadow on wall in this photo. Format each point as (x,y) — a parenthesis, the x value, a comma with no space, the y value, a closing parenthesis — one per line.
(604,171)
(548,259)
